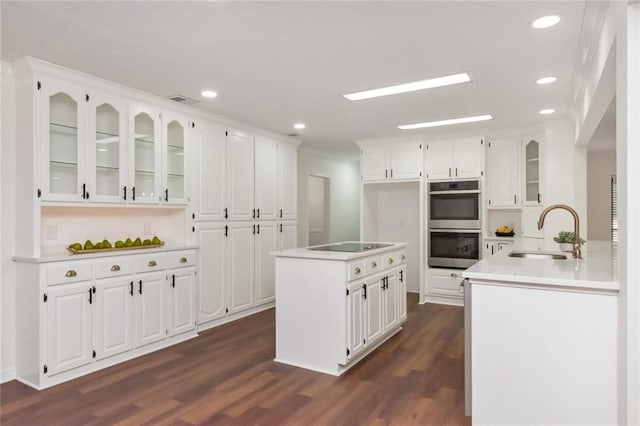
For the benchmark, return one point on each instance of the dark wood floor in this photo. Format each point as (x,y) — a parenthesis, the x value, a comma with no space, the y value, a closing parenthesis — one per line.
(227,376)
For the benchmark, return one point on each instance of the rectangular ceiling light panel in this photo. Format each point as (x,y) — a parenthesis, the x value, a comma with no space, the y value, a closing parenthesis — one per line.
(446,122)
(447,80)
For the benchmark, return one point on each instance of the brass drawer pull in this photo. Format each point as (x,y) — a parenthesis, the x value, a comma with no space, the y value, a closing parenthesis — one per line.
(152,263)
(71,273)
(357,270)
(115,268)
(183,260)
(374,264)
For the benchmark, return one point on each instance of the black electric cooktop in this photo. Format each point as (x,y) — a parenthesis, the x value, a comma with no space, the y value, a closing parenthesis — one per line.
(351,247)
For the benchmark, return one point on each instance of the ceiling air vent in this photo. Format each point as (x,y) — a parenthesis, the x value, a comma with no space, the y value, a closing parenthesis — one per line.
(183,99)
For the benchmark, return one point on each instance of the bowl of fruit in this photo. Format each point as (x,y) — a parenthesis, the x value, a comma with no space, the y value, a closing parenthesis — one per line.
(105,245)
(505,231)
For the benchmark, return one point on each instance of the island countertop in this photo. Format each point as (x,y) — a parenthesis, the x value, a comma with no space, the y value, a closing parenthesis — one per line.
(308,253)
(596,271)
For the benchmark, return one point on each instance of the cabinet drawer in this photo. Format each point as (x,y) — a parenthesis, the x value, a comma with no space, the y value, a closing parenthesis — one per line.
(67,272)
(149,263)
(181,259)
(445,281)
(373,264)
(390,259)
(355,270)
(113,267)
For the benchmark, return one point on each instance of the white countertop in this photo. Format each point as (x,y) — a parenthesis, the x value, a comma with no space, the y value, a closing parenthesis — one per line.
(596,271)
(306,253)
(58,256)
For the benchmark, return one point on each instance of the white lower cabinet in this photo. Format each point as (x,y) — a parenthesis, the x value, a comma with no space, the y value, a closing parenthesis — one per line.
(241,266)
(266,242)
(390,298)
(443,286)
(181,301)
(355,318)
(83,315)
(373,308)
(402,293)
(114,316)
(69,327)
(212,240)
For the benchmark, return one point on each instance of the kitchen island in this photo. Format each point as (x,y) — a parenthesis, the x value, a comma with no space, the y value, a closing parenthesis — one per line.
(336,303)
(544,339)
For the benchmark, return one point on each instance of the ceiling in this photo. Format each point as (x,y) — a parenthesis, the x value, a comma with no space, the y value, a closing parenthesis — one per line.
(277,63)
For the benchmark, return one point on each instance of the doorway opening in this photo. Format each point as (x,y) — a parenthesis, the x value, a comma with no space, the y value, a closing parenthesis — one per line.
(318,209)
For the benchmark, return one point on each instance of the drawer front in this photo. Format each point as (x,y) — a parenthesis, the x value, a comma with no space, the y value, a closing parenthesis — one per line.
(180,259)
(391,259)
(113,267)
(445,282)
(150,263)
(67,272)
(355,270)
(373,264)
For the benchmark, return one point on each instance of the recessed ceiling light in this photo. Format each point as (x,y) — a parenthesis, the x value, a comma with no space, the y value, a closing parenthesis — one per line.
(547,111)
(546,21)
(447,122)
(299,125)
(209,94)
(446,80)
(102,149)
(546,80)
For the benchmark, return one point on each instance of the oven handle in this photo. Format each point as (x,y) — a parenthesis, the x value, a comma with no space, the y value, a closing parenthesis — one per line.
(465,191)
(456,231)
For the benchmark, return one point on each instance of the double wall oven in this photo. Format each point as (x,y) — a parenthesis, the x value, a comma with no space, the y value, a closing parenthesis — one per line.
(455,223)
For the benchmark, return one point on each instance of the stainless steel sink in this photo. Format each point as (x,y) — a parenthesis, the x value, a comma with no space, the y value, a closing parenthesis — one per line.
(537,255)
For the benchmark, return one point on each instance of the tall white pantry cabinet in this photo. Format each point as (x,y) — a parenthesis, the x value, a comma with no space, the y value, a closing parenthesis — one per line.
(92,147)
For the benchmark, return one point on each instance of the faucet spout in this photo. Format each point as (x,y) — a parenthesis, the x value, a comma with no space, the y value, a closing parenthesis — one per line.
(577,251)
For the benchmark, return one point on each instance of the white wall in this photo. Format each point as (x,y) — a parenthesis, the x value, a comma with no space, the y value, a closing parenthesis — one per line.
(7,228)
(344,194)
(600,166)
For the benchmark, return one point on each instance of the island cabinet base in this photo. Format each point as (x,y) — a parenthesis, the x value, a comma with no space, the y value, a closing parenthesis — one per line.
(327,319)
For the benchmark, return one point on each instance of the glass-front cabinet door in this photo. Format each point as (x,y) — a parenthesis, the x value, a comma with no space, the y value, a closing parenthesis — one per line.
(532,172)
(107,151)
(145,156)
(174,154)
(63,135)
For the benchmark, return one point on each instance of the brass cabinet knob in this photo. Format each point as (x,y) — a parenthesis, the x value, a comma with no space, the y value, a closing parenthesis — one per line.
(454,274)
(183,260)
(71,273)
(357,270)
(152,263)
(403,257)
(115,268)
(391,261)
(374,264)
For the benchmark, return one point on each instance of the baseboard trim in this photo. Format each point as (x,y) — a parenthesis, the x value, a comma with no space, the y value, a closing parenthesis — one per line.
(7,375)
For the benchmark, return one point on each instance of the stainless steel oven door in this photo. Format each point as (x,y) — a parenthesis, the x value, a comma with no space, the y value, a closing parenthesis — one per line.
(455,209)
(454,248)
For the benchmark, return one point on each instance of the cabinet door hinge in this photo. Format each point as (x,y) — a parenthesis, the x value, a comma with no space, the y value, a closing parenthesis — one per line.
(347,292)
(86,97)
(348,353)
(39,86)
(193,125)
(427,146)
(45,298)
(489,202)
(193,215)
(489,144)
(420,174)
(481,173)
(193,229)
(39,193)
(364,341)
(45,369)
(481,142)
(94,353)
(226,310)
(166,331)
(420,146)
(226,133)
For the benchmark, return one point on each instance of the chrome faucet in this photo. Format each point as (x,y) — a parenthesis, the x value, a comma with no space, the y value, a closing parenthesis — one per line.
(577,252)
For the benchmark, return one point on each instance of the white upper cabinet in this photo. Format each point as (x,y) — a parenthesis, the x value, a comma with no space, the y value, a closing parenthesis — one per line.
(503,174)
(145,154)
(107,149)
(455,159)
(174,181)
(63,122)
(391,161)
(532,176)
(287,181)
(240,175)
(266,178)
(211,166)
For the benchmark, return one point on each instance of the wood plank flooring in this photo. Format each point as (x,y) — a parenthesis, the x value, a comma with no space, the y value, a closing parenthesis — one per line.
(227,376)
